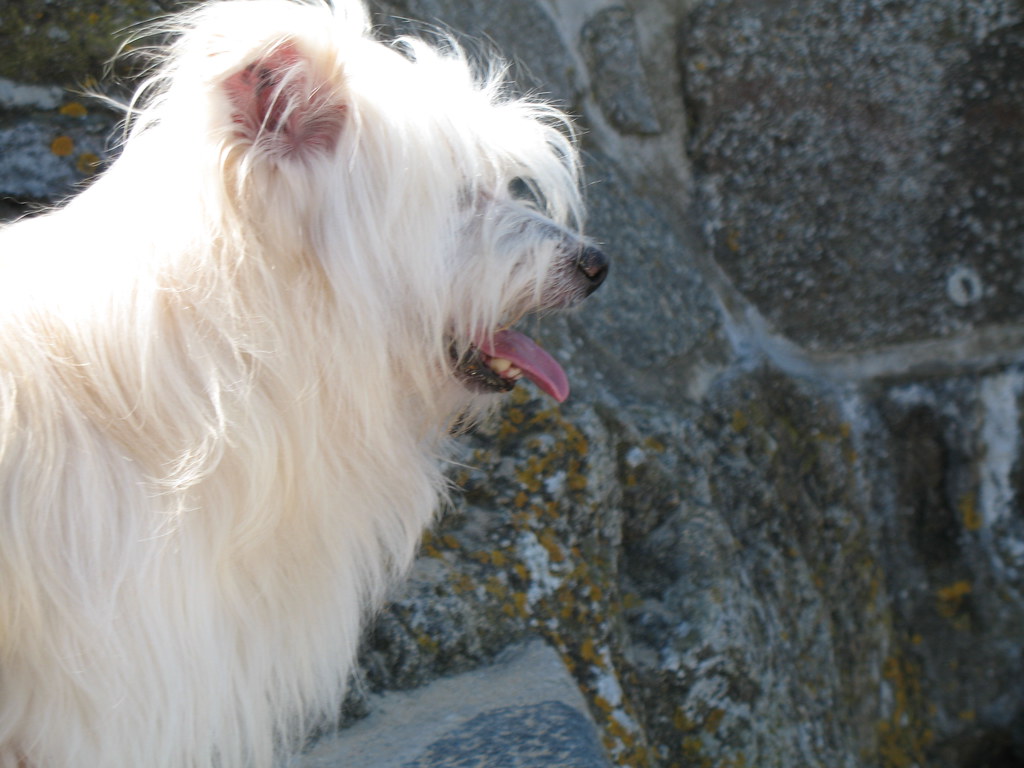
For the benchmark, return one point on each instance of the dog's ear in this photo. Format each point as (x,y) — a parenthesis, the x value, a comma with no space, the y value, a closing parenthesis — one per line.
(284,106)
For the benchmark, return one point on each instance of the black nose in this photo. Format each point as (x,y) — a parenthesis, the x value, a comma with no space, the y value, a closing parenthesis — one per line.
(594,266)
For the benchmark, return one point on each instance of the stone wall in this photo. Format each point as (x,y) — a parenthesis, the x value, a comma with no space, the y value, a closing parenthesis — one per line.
(779,522)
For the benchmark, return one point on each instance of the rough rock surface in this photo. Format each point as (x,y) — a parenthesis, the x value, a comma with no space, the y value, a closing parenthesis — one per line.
(522,711)
(780,520)
(869,145)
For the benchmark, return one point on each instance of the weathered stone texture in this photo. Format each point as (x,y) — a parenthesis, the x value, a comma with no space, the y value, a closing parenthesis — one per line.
(616,71)
(523,27)
(858,154)
(757,533)
(64,41)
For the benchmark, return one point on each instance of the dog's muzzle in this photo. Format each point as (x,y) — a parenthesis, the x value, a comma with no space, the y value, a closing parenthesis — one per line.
(496,363)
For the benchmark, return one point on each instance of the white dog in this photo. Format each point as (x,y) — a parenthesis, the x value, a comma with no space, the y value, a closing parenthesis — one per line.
(228,369)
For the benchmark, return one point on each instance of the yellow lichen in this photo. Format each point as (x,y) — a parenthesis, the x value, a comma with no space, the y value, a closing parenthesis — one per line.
(654,444)
(428,643)
(732,240)
(62,146)
(495,588)
(739,421)
(969,512)
(951,598)
(602,704)
(550,543)
(522,609)
(73,109)
(902,737)
(681,722)
(714,719)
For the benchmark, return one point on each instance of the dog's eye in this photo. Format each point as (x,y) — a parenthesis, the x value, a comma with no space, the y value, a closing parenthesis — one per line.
(520,188)
(525,191)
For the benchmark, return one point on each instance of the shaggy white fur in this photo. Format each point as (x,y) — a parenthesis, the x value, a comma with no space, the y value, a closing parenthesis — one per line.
(229,367)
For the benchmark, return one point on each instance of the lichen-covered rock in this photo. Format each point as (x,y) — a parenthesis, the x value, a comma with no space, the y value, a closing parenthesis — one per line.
(49,153)
(948,475)
(737,576)
(757,533)
(66,42)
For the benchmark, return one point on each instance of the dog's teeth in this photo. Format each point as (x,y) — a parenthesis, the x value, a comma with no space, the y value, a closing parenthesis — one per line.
(499,364)
(504,368)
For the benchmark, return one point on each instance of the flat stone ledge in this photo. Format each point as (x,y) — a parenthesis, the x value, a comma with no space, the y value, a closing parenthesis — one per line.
(523,711)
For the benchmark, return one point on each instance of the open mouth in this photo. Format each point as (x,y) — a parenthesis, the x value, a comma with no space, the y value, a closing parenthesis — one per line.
(497,363)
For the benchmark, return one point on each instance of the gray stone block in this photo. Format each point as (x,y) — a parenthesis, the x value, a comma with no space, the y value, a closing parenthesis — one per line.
(858,164)
(524,711)
(619,81)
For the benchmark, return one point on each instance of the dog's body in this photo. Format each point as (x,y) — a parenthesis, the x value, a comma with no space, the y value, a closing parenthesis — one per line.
(227,372)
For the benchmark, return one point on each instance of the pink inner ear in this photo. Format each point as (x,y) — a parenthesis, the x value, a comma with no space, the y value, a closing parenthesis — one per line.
(278,106)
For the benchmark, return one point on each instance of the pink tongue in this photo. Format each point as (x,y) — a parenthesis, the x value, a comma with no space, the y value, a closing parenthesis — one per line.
(537,365)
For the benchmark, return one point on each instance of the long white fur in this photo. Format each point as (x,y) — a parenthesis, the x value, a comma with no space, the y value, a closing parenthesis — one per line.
(226,382)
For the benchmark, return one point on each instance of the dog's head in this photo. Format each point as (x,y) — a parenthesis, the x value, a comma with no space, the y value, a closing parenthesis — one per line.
(437,208)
